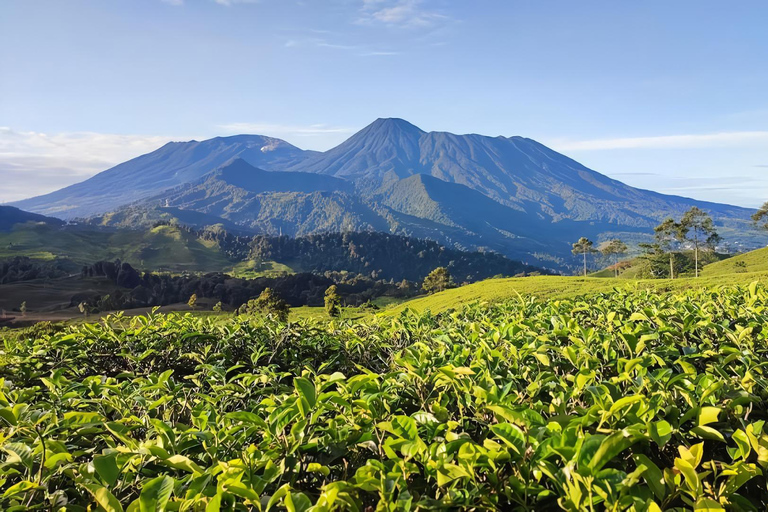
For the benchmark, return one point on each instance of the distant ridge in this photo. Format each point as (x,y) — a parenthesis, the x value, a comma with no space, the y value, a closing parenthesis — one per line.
(508,194)
(10,216)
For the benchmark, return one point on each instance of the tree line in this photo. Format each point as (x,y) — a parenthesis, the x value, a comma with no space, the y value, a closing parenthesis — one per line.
(22,268)
(135,289)
(383,256)
(695,229)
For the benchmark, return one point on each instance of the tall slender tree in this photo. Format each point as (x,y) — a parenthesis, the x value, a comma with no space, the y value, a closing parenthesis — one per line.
(697,227)
(613,249)
(584,246)
(668,235)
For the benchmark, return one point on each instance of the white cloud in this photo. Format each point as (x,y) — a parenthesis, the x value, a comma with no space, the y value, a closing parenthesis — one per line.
(400,13)
(725,139)
(282,130)
(33,163)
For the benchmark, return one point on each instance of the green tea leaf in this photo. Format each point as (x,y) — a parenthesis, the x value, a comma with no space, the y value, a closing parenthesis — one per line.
(155,494)
(106,467)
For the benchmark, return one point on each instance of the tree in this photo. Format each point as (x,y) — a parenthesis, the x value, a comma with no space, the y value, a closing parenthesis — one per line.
(614,248)
(270,304)
(668,235)
(437,281)
(760,217)
(332,302)
(192,302)
(217,308)
(83,307)
(584,246)
(23,308)
(696,227)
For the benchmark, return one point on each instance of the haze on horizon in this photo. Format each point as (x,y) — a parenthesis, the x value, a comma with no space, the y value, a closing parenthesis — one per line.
(664,97)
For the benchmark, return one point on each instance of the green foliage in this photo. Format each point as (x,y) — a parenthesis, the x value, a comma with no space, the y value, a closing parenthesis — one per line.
(268,303)
(192,302)
(623,401)
(332,302)
(437,281)
(217,308)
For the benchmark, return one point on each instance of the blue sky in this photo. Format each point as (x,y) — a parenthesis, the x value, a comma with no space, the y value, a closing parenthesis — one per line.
(671,96)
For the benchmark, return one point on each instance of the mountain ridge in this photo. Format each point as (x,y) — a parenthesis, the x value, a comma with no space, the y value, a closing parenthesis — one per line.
(512,194)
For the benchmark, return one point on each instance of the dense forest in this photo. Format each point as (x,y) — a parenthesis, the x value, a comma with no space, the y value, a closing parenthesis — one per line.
(383,256)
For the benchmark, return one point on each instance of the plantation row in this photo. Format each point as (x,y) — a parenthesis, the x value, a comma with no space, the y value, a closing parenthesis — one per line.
(624,401)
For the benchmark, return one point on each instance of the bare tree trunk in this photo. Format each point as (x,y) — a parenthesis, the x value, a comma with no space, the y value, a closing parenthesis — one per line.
(696,250)
(671,265)
(585,263)
(696,257)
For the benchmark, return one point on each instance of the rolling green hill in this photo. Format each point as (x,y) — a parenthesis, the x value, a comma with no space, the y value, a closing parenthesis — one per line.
(747,263)
(161,248)
(547,287)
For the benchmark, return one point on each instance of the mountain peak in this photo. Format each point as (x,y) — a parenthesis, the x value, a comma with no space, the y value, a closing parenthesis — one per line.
(392,124)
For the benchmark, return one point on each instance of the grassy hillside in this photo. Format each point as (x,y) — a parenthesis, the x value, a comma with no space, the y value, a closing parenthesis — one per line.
(546,287)
(160,248)
(749,262)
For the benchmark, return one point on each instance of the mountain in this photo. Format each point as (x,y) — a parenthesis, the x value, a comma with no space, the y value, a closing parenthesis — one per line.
(508,194)
(172,165)
(514,171)
(10,216)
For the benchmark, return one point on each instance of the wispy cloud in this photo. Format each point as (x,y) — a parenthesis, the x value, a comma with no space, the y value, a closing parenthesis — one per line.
(173,2)
(399,13)
(725,139)
(33,163)
(763,166)
(360,50)
(283,130)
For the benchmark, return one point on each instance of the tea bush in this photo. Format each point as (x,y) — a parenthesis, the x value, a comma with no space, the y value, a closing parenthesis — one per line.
(638,401)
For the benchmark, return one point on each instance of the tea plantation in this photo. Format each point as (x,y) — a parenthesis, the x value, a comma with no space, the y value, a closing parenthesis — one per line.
(625,400)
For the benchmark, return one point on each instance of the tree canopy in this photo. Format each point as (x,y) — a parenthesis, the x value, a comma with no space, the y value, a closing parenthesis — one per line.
(437,280)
